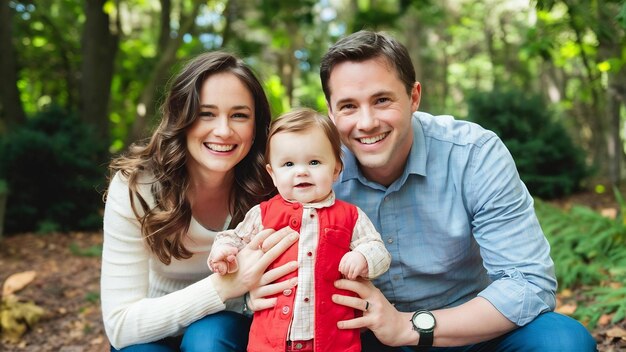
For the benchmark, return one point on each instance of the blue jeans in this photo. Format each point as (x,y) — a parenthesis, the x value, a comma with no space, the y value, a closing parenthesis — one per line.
(220,332)
(548,332)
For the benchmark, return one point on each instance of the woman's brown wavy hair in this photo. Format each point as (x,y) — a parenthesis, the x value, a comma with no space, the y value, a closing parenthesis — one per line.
(164,156)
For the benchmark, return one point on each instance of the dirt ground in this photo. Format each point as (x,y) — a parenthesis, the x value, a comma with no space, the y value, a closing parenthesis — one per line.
(68,278)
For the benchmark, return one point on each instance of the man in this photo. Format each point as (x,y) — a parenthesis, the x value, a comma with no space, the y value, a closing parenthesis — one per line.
(471,266)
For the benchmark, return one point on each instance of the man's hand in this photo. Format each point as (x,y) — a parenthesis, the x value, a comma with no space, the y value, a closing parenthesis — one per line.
(391,327)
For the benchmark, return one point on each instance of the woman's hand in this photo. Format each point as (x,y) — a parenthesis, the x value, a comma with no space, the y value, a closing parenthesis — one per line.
(253,260)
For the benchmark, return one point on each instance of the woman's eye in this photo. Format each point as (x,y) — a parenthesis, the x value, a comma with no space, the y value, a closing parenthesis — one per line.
(240,116)
(206,114)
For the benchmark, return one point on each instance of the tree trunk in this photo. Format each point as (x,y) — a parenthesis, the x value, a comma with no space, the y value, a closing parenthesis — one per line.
(99,47)
(11,109)
(147,105)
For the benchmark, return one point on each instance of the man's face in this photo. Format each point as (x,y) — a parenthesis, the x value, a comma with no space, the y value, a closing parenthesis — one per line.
(372,111)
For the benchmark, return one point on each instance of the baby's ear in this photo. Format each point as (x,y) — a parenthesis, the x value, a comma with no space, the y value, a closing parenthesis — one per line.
(268,167)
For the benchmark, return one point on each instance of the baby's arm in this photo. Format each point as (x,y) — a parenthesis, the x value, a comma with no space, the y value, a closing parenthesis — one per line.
(223,256)
(353,264)
(367,242)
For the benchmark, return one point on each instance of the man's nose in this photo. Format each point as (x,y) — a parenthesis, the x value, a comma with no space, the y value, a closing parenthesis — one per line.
(367,119)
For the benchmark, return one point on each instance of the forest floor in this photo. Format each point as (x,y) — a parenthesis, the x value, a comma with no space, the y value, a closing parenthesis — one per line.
(67,286)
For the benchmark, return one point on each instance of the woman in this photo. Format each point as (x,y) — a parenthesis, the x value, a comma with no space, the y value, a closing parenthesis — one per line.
(200,172)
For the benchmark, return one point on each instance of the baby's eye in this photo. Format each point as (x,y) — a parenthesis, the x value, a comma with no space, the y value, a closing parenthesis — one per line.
(288,164)
(315,162)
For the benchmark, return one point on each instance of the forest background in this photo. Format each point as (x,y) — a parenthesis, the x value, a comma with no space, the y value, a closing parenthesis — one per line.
(81,80)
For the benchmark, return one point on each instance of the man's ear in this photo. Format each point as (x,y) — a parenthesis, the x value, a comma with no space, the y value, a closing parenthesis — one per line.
(330,112)
(416,96)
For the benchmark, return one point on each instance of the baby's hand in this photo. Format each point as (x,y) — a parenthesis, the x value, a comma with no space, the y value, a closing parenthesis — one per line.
(353,264)
(223,259)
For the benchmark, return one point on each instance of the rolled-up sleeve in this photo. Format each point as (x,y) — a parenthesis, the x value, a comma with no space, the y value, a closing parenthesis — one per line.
(514,249)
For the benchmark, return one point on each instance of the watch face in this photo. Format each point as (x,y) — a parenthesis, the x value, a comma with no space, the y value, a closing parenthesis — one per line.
(424,321)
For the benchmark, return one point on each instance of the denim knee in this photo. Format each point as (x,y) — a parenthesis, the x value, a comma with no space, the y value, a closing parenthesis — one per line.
(551,332)
(224,331)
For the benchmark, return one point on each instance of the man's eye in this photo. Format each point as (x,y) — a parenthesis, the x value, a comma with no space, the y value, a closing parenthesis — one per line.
(382,100)
(347,107)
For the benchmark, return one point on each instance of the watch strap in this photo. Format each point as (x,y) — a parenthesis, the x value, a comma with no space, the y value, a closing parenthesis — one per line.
(426,339)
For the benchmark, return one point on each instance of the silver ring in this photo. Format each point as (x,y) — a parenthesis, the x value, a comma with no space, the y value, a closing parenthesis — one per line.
(367,305)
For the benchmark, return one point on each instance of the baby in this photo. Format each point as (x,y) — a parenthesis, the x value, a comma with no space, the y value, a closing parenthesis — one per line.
(336,238)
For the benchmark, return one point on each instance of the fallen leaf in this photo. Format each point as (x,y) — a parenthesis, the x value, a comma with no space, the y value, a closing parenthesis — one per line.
(566,293)
(17,282)
(16,317)
(616,331)
(567,309)
(605,319)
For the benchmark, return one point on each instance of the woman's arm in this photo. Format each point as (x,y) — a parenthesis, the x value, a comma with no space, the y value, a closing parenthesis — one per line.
(130,317)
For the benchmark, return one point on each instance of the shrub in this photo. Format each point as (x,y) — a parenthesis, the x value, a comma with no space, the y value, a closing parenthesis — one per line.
(51,167)
(548,161)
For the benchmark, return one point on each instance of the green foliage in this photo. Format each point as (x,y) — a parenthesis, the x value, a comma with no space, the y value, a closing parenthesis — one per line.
(546,158)
(91,251)
(51,167)
(587,249)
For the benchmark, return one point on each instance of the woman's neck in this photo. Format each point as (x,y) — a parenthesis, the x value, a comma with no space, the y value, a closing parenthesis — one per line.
(210,200)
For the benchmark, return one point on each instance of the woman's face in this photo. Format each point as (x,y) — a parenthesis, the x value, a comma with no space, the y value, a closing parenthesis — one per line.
(223,133)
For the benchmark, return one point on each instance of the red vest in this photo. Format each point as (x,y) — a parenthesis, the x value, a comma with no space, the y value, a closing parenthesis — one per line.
(270,327)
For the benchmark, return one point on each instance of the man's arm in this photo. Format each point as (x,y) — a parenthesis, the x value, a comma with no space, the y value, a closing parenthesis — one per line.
(474,321)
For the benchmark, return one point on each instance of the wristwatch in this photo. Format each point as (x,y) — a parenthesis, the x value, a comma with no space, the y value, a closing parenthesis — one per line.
(424,323)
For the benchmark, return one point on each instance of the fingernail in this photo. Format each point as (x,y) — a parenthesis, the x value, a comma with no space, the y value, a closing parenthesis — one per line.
(293,281)
(293,236)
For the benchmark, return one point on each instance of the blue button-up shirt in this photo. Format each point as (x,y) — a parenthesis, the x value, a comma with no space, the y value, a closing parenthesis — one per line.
(459,223)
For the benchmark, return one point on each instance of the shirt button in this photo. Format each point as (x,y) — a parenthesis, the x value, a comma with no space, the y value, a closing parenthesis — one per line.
(296,205)
(306,299)
(287,292)
(390,240)
(312,215)
(299,346)
(386,199)
(294,223)
(285,309)
(309,254)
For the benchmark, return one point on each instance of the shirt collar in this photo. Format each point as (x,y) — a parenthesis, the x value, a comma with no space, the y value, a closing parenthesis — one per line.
(416,163)
(326,202)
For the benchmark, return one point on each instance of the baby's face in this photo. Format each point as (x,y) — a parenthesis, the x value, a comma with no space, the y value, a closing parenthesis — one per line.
(302,165)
